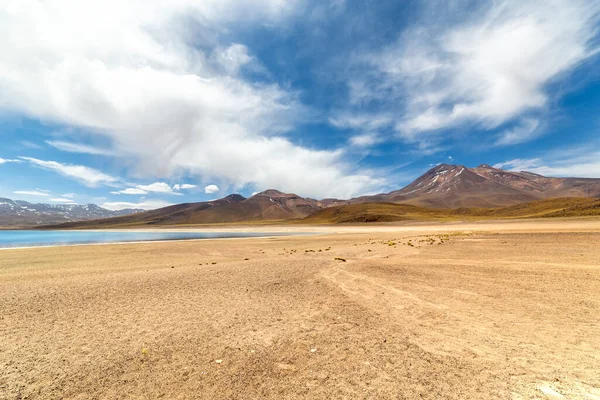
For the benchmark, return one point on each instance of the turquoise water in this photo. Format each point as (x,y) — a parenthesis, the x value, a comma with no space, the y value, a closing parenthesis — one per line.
(24,238)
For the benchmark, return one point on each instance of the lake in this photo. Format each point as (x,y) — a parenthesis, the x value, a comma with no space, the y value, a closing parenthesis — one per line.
(30,238)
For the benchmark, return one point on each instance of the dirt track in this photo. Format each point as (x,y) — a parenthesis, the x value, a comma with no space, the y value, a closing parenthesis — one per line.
(506,313)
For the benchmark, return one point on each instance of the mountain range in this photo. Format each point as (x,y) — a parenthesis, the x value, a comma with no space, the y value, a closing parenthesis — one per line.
(23,213)
(442,187)
(454,186)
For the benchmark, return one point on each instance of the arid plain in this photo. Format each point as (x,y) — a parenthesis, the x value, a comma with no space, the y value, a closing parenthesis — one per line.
(479,310)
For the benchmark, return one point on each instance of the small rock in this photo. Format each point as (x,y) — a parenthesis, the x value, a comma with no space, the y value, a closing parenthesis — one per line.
(313,350)
(218,361)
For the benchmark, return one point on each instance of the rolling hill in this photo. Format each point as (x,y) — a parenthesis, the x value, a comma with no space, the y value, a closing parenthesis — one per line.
(391,212)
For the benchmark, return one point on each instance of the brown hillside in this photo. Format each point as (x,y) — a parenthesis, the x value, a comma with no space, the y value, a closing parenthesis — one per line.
(390,212)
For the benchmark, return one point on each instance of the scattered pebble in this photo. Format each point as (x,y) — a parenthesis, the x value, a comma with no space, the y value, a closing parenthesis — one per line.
(218,361)
(313,350)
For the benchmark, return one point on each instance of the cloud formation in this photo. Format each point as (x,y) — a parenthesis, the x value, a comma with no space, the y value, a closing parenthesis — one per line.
(156,187)
(62,200)
(210,189)
(485,67)
(143,205)
(88,176)
(79,148)
(575,161)
(185,186)
(32,193)
(4,161)
(167,87)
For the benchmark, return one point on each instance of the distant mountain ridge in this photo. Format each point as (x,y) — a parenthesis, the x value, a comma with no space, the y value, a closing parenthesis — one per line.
(443,186)
(454,186)
(270,205)
(23,213)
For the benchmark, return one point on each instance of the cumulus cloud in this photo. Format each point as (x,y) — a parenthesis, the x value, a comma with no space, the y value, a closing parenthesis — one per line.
(143,205)
(168,101)
(210,189)
(485,67)
(86,175)
(185,186)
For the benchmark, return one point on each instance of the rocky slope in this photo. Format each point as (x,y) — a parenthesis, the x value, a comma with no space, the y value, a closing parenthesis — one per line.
(452,186)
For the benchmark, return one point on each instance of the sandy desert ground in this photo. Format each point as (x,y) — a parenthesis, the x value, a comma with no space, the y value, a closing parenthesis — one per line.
(469,311)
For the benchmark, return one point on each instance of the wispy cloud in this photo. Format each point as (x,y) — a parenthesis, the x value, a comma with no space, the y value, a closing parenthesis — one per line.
(485,67)
(4,161)
(519,164)
(575,162)
(88,176)
(365,140)
(132,191)
(157,187)
(32,193)
(62,200)
(79,148)
(143,205)
(527,130)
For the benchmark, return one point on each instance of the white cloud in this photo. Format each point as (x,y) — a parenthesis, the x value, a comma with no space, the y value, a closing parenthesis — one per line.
(32,193)
(69,195)
(363,122)
(488,69)
(144,205)
(185,186)
(168,102)
(210,189)
(519,164)
(574,162)
(526,131)
(86,175)
(4,161)
(233,58)
(62,200)
(364,140)
(158,187)
(78,148)
(130,191)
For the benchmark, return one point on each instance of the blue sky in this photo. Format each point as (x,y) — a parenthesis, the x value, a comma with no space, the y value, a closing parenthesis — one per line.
(144,104)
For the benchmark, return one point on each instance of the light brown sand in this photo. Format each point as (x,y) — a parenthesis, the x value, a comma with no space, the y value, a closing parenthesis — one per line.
(510,311)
